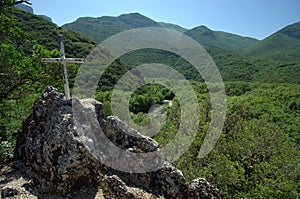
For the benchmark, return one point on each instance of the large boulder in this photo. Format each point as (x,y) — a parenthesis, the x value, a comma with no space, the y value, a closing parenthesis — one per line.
(48,148)
(62,151)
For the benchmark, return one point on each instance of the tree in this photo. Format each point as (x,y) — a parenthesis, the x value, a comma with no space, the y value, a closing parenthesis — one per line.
(4,4)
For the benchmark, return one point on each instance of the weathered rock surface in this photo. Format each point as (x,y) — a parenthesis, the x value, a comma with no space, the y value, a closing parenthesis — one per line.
(113,187)
(200,188)
(60,155)
(47,148)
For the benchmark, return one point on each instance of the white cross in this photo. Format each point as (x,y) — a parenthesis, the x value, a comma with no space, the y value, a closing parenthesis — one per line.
(63,60)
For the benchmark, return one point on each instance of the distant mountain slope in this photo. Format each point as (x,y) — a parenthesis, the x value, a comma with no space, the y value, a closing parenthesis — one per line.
(283,45)
(226,49)
(29,9)
(220,40)
(101,28)
(46,33)
(24,7)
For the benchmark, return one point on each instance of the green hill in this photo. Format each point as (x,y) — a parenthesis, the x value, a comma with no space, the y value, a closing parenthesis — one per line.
(45,33)
(220,40)
(283,45)
(99,29)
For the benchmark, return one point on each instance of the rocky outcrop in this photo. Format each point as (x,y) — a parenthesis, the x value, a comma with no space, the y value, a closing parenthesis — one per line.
(200,188)
(59,154)
(48,150)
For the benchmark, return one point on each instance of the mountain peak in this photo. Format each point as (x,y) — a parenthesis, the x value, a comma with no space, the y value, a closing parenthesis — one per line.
(136,20)
(220,40)
(101,28)
(134,14)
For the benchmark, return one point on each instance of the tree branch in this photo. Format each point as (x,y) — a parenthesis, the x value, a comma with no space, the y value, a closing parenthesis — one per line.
(23,1)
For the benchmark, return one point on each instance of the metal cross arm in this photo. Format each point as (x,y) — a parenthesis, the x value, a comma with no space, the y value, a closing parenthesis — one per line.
(63,60)
(68,60)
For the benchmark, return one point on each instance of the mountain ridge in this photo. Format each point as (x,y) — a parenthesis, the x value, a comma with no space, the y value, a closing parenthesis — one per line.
(283,45)
(229,51)
(220,39)
(100,28)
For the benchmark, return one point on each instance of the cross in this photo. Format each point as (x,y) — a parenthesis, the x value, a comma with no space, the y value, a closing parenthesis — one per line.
(63,60)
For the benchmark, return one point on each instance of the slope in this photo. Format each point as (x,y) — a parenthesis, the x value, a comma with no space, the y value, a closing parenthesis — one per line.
(220,40)
(24,39)
(46,33)
(99,29)
(283,45)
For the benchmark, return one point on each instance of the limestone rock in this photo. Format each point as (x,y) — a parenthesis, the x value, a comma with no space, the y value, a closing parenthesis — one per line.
(47,148)
(63,151)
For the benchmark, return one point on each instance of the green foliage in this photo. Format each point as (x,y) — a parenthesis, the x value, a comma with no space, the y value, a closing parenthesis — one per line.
(6,150)
(146,96)
(257,154)
(25,39)
(148,56)
(232,66)
(7,4)
(235,67)
(46,33)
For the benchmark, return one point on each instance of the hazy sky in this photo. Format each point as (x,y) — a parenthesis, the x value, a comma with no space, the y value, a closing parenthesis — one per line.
(254,18)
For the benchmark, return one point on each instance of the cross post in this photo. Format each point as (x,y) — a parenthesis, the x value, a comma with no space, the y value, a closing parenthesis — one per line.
(63,60)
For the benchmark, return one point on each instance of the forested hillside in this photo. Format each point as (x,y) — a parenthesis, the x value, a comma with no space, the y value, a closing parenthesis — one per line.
(283,45)
(230,52)
(220,40)
(101,28)
(257,155)
(25,39)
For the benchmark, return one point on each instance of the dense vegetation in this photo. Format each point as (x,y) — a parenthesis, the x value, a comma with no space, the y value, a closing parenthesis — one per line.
(25,39)
(232,66)
(257,155)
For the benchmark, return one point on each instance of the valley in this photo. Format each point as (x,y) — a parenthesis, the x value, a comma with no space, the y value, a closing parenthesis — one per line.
(257,154)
